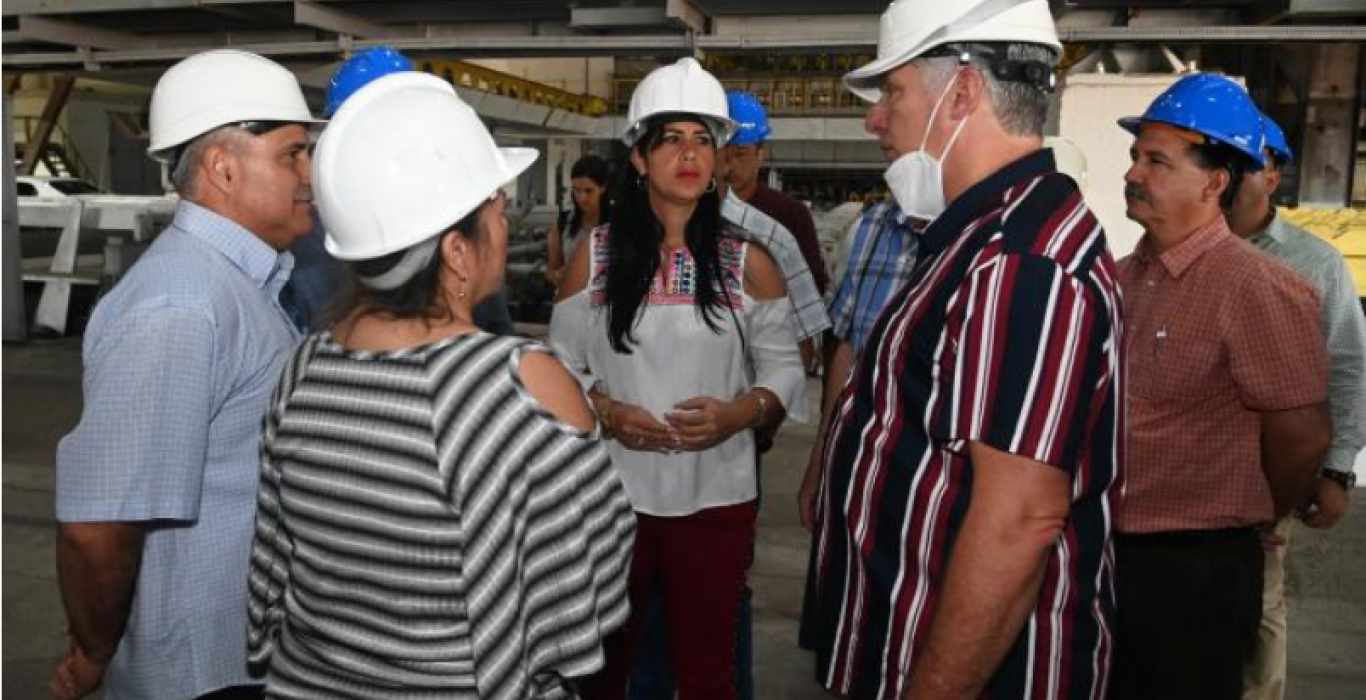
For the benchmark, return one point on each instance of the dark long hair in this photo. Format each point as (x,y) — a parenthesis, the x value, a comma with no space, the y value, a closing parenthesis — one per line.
(593,168)
(635,240)
(420,297)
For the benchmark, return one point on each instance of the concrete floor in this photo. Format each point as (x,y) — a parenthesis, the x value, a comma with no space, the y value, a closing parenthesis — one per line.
(1327,577)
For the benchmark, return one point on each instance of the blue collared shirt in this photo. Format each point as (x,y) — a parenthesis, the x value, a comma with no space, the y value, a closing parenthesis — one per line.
(317,284)
(180,360)
(880,261)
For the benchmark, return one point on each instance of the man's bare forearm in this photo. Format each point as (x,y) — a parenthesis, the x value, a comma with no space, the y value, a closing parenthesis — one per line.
(1294,445)
(97,568)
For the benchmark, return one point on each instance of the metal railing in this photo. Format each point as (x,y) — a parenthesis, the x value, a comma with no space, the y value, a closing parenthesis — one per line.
(469,75)
(65,150)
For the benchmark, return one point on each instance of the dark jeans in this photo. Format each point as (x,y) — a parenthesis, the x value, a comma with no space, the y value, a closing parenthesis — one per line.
(653,679)
(1188,608)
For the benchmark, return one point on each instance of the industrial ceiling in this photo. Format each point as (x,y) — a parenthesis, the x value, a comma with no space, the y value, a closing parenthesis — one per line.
(90,35)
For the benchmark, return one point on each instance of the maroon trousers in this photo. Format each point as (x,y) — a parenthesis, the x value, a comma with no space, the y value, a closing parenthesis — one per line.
(702,561)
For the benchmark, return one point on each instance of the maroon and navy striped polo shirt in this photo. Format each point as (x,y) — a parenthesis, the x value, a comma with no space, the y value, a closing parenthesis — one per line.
(1009,333)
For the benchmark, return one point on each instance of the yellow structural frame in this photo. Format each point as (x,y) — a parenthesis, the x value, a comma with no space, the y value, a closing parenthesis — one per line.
(475,77)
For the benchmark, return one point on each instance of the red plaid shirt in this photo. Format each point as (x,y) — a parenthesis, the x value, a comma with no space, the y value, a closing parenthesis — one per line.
(1217,331)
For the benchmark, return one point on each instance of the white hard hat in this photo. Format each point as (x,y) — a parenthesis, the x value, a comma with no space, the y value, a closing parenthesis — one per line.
(215,88)
(403,160)
(685,88)
(1069,158)
(910,28)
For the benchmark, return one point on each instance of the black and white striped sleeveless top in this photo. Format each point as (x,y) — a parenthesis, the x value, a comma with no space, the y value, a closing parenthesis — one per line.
(425,529)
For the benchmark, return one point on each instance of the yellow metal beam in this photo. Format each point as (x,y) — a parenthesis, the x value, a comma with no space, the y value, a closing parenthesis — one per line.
(469,75)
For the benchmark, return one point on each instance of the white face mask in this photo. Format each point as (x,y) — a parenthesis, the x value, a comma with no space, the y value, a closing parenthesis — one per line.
(916,179)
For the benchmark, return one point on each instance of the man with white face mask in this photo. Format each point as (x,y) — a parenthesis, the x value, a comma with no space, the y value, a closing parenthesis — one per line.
(962,530)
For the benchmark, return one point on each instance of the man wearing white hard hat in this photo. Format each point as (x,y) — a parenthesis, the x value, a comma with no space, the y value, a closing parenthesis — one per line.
(155,485)
(962,539)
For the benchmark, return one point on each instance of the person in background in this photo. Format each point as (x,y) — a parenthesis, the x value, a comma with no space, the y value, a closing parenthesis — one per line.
(1253,217)
(588,188)
(155,484)
(975,455)
(317,291)
(437,515)
(1228,423)
(882,252)
(683,331)
(744,158)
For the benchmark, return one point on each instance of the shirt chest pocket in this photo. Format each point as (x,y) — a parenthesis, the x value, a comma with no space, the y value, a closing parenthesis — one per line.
(1176,363)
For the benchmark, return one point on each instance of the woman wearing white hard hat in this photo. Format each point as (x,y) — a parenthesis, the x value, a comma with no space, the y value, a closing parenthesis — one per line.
(684,334)
(437,516)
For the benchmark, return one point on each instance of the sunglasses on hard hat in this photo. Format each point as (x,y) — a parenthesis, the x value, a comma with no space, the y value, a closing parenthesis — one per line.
(260,128)
(1034,73)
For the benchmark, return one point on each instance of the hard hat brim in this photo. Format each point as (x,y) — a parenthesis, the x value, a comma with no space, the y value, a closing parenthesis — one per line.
(165,154)
(721,127)
(518,160)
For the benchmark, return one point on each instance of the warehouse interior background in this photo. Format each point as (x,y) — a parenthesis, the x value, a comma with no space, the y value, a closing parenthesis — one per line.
(78,75)
(557,75)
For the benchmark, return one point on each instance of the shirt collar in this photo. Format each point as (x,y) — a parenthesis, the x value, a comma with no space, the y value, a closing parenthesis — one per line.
(1274,234)
(267,267)
(978,199)
(1178,258)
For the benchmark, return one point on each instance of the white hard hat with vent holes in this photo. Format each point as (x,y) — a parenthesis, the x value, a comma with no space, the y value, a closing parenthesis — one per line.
(403,160)
(910,28)
(216,88)
(684,87)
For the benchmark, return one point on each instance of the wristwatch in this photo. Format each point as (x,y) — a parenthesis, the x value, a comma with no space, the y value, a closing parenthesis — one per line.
(1346,480)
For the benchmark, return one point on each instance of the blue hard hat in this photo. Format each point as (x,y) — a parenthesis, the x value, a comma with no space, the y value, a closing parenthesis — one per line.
(1210,105)
(359,71)
(749,116)
(1275,140)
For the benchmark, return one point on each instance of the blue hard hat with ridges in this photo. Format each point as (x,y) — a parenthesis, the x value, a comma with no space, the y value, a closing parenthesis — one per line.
(749,116)
(1210,105)
(1275,140)
(360,70)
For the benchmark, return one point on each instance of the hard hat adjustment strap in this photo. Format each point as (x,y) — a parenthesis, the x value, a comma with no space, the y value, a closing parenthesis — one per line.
(1030,72)
(413,260)
(1035,73)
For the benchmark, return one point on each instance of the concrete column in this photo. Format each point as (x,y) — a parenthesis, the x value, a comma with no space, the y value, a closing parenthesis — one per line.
(1330,124)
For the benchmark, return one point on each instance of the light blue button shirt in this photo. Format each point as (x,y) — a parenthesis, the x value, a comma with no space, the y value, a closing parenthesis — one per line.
(180,362)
